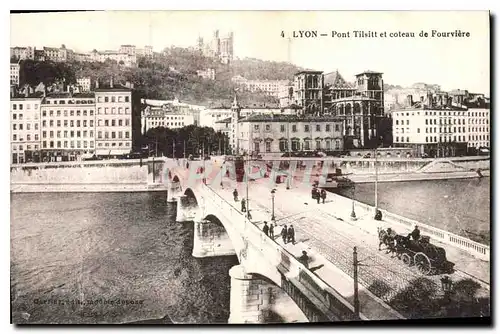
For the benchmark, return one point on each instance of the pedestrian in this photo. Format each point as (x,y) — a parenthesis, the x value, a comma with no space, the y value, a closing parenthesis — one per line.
(187,165)
(318,195)
(304,259)
(323,195)
(284,234)
(271,231)
(243,205)
(249,215)
(235,195)
(265,228)
(291,235)
(415,234)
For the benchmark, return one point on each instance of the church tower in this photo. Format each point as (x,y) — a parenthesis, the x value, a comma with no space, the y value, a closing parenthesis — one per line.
(235,116)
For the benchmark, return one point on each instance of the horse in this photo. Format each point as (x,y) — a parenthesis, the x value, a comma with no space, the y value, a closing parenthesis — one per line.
(401,243)
(386,238)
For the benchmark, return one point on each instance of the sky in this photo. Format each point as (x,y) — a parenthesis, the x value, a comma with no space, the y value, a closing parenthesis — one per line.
(452,62)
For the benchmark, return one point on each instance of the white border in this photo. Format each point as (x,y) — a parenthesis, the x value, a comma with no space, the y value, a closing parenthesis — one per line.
(199,5)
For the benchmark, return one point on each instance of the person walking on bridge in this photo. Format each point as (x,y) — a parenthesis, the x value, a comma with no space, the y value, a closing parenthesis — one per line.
(265,229)
(243,205)
(284,234)
(304,259)
(235,195)
(291,235)
(323,195)
(271,231)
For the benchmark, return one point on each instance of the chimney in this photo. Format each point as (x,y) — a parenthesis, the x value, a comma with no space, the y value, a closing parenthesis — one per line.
(97,84)
(111,83)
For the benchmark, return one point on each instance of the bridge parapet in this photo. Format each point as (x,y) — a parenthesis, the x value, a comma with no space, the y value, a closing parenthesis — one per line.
(476,249)
(329,304)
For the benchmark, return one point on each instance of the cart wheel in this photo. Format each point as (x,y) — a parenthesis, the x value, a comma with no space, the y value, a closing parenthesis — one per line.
(422,263)
(407,259)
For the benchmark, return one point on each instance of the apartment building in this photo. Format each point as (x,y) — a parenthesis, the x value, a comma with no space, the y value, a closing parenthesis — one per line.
(113,120)
(279,133)
(270,87)
(25,129)
(67,126)
(153,117)
(14,73)
(84,84)
(478,129)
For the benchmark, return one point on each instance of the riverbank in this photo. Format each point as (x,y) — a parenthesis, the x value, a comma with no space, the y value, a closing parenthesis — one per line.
(84,187)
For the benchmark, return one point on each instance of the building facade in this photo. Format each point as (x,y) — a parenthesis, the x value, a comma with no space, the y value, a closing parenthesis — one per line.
(308,91)
(25,129)
(220,47)
(22,53)
(113,121)
(14,73)
(67,127)
(269,87)
(153,117)
(478,127)
(209,73)
(84,84)
(279,134)
(124,59)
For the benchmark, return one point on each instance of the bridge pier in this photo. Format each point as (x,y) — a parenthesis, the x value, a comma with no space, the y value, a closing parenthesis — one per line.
(182,209)
(256,300)
(211,239)
(172,191)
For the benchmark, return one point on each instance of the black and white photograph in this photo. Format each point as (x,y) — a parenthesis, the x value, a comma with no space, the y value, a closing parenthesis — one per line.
(249,167)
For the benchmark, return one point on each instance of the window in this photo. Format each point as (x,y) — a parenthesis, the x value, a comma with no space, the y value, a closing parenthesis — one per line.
(337,144)
(120,122)
(283,145)
(127,111)
(318,127)
(85,123)
(112,99)
(36,136)
(120,111)
(113,135)
(99,134)
(28,137)
(306,128)
(106,99)
(268,146)
(408,122)
(91,123)
(318,144)
(91,144)
(337,128)
(294,128)
(58,144)
(58,123)
(14,126)
(58,134)
(106,122)
(65,144)
(106,135)
(44,134)
(268,127)
(119,134)
(84,134)
(426,123)
(113,122)
(126,99)
(14,137)
(21,107)
(71,123)
(51,134)
(14,106)
(91,113)
(113,110)
(91,134)
(126,134)
(44,113)
(72,134)
(256,127)
(51,123)
(20,126)
(307,145)
(127,122)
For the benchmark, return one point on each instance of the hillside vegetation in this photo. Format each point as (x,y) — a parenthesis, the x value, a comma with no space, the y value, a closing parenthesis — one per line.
(172,74)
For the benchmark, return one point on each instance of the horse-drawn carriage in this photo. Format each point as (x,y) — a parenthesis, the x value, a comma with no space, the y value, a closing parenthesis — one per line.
(425,256)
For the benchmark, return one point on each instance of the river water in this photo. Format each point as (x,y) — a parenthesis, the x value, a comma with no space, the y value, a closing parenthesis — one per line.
(458,206)
(73,254)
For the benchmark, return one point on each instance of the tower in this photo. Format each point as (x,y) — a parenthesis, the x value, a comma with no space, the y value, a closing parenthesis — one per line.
(235,116)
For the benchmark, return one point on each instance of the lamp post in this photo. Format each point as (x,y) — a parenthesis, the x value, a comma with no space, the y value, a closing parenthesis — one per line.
(353,213)
(355,274)
(273,192)
(446,285)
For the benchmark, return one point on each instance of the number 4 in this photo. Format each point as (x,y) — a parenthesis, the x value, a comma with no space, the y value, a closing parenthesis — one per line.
(282,34)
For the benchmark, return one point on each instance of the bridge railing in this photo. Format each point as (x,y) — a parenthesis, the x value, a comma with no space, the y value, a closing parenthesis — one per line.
(476,249)
(328,300)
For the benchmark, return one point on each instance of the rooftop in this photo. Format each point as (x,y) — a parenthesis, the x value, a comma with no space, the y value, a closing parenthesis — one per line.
(116,88)
(289,118)
(335,80)
(369,72)
(309,71)
(225,120)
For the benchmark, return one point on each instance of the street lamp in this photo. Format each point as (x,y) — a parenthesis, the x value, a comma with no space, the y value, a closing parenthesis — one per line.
(353,214)
(273,218)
